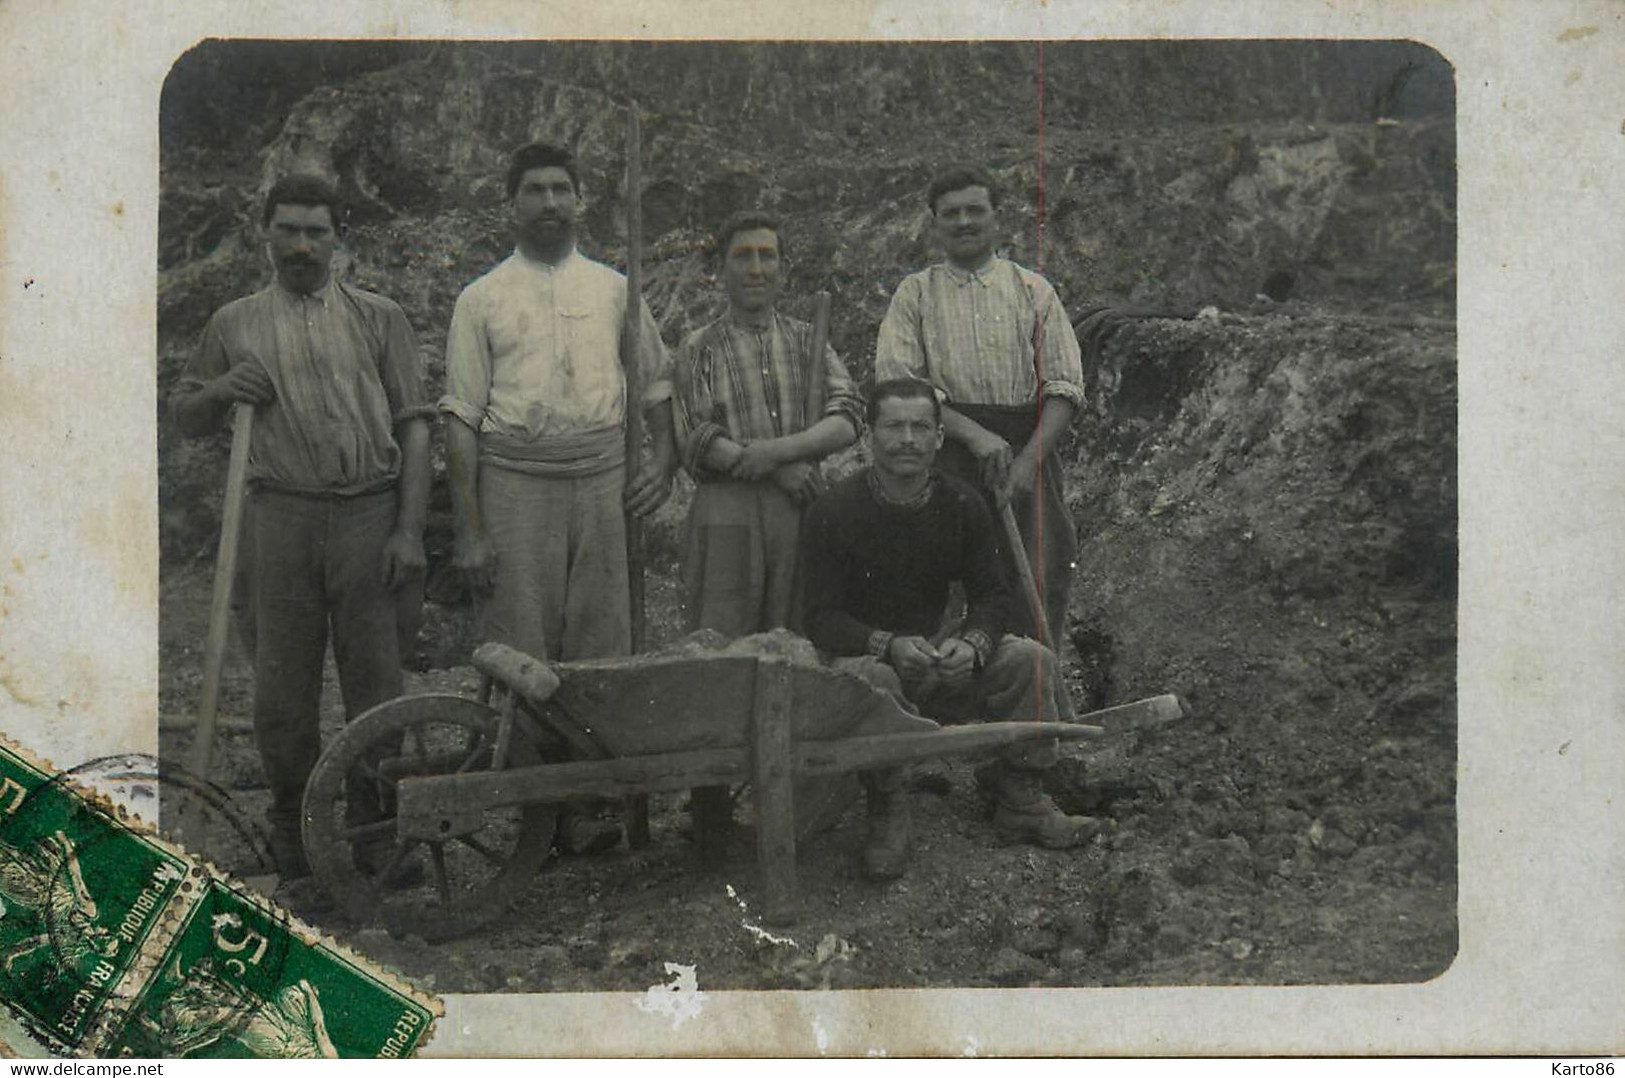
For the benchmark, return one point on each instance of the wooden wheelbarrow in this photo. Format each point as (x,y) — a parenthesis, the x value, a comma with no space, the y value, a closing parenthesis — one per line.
(477,782)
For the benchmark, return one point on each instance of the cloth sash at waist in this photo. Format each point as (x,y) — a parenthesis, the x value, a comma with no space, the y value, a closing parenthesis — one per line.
(557,456)
(1014,423)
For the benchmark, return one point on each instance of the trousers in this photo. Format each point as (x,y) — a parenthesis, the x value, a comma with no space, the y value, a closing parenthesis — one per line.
(562,589)
(739,558)
(1020,683)
(1045,525)
(318,574)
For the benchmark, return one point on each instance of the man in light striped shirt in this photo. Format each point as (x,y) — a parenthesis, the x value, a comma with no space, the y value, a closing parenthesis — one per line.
(995,342)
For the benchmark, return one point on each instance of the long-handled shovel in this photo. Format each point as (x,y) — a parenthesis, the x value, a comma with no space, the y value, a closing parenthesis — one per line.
(631,363)
(193,827)
(820,799)
(1024,570)
(815,366)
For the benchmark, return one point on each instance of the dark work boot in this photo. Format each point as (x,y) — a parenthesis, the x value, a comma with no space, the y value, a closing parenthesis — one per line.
(885,854)
(288,853)
(580,832)
(713,809)
(1024,813)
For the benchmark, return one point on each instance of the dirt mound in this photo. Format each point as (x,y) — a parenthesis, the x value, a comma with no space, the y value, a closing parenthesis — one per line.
(1268,519)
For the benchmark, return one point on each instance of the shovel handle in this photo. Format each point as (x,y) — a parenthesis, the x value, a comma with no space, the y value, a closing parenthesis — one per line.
(214,648)
(1024,569)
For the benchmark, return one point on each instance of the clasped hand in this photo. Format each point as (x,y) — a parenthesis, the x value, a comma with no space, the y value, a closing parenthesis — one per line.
(648,491)
(1004,474)
(914,658)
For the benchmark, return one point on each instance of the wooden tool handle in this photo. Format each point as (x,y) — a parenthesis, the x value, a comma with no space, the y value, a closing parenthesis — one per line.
(632,364)
(1024,569)
(214,648)
(815,362)
(526,675)
(637,808)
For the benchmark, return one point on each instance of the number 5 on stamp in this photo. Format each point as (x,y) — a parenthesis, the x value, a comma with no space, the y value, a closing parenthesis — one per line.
(241,981)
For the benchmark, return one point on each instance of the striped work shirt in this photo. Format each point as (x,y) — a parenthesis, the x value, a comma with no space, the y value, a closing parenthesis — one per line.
(750,383)
(346,369)
(972,335)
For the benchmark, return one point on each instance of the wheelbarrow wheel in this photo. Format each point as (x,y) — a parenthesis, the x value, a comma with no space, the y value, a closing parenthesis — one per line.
(354,847)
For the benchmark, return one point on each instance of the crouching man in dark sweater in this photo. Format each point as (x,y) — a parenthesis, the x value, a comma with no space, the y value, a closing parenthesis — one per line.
(879,552)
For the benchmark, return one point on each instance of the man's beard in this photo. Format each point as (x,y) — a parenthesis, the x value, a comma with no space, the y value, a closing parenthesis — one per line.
(547,229)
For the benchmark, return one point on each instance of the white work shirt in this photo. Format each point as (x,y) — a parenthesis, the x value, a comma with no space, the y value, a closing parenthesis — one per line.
(534,350)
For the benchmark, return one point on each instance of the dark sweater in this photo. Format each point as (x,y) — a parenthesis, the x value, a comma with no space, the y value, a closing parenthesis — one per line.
(868,565)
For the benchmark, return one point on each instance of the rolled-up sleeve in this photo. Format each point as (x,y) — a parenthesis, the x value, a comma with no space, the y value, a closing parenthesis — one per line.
(841,393)
(900,345)
(468,364)
(697,425)
(1060,360)
(402,370)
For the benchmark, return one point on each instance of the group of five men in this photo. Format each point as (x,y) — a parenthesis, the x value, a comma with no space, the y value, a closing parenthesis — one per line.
(977,376)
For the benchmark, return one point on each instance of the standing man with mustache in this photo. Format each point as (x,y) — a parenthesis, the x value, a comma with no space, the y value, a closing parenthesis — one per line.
(338,477)
(535,403)
(994,340)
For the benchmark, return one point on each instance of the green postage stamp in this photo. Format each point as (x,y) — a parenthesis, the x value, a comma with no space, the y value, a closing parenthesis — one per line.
(116,943)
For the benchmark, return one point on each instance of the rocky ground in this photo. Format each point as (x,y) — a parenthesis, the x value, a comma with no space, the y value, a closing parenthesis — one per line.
(1264,485)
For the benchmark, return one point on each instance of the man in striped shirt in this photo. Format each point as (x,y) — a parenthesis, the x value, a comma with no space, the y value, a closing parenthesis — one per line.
(753,430)
(756,413)
(994,340)
(338,472)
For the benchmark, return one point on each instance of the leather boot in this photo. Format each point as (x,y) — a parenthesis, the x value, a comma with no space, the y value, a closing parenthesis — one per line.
(1024,813)
(885,854)
(288,853)
(578,832)
(713,820)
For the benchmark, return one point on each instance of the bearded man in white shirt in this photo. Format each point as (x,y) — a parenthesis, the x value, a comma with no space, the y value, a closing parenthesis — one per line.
(536,405)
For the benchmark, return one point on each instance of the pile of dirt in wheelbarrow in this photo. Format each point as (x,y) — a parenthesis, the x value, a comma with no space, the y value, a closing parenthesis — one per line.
(1267,512)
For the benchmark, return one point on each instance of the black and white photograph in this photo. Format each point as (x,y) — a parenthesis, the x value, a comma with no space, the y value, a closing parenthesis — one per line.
(1178,315)
(1022,532)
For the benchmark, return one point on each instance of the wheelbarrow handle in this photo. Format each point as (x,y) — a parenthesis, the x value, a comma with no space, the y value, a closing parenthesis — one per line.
(530,677)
